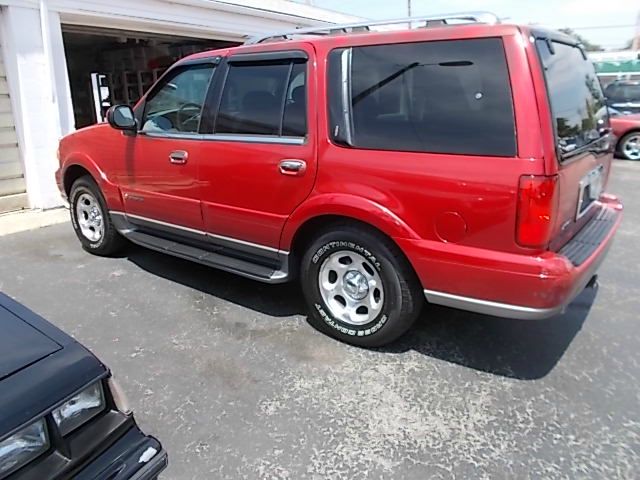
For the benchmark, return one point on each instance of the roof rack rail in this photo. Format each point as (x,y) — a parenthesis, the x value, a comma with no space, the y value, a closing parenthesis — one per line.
(443,19)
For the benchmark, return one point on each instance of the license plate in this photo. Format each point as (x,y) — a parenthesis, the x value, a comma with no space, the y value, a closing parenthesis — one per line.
(591,187)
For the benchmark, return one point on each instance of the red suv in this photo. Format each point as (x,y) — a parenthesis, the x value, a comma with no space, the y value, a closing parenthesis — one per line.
(463,161)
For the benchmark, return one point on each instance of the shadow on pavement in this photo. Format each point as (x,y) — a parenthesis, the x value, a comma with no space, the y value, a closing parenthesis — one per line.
(520,349)
(281,300)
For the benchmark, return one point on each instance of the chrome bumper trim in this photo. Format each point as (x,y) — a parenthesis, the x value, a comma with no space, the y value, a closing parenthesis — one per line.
(487,307)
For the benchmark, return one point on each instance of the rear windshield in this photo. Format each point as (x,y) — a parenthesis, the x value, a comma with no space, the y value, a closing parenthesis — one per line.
(623,93)
(443,96)
(577,102)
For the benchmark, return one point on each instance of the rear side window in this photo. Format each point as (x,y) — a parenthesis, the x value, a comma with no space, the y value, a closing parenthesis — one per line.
(577,103)
(442,97)
(264,99)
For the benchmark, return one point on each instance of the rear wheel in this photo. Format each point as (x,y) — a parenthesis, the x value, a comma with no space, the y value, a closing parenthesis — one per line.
(359,287)
(91,220)
(629,146)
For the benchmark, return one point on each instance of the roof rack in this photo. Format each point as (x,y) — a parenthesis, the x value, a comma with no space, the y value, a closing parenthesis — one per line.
(429,21)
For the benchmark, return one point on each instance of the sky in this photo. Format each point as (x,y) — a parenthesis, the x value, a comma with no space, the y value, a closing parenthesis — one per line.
(618,16)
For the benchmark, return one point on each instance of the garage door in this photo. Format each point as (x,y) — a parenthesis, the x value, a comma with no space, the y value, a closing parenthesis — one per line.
(12,185)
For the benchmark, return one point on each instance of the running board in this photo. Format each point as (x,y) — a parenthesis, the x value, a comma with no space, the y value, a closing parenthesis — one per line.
(210,258)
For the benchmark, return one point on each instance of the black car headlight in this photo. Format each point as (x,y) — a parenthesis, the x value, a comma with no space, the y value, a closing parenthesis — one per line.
(79,409)
(22,447)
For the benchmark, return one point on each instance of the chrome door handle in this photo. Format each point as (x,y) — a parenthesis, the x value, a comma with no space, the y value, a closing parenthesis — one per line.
(178,157)
(293,167)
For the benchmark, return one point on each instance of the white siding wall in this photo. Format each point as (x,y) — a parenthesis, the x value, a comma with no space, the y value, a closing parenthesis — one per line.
(11,175)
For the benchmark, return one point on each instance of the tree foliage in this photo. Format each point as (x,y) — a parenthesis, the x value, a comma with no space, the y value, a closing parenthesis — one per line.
(588,46)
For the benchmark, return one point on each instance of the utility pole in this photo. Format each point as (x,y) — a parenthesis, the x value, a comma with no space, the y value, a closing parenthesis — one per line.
(635,44)
(409,8)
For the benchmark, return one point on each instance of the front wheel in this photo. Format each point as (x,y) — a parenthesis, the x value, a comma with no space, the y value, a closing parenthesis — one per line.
(629,146)
(91,220)
(359,287)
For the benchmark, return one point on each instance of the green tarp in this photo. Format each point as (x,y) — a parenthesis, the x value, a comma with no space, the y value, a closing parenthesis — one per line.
(626,66)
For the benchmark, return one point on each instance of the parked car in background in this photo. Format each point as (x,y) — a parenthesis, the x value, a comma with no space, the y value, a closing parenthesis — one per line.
(461,163)
(62,415)
(627,129)
(623,96)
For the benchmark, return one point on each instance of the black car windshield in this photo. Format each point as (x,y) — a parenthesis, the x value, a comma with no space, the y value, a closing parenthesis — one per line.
(619,92)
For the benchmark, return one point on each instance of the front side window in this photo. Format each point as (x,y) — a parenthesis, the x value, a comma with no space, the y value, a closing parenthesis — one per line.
(264,99)
(177,106)
(577,103)
(441,97)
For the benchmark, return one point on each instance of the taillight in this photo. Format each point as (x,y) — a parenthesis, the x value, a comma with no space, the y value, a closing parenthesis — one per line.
(537,205)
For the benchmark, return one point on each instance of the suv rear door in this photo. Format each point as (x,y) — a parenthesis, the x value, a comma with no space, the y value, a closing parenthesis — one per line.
(581,127)
(259,149)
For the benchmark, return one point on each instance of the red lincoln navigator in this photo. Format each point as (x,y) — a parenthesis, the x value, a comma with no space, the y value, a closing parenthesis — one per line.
(462,160)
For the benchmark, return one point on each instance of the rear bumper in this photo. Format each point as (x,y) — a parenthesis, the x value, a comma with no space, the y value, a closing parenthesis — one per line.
(134,456)
(487,307)
(508,285)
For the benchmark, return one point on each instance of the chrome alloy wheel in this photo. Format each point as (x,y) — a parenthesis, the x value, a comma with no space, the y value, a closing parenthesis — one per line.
(351,288)
(631,147)
(90,218)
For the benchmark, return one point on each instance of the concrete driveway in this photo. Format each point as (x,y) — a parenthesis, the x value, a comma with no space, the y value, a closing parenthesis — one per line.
(228,374)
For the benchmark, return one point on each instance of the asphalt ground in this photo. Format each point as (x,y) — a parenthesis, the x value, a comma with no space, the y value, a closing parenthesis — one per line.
(227,373)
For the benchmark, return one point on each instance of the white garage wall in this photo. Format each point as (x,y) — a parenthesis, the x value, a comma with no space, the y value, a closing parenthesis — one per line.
(12,184)
(35,105)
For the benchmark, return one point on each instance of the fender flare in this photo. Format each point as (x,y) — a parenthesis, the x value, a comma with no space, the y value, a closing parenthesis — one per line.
(349,207)
(107,185)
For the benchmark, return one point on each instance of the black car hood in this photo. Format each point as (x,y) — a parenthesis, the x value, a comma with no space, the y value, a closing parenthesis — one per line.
(21,344)
(40,366)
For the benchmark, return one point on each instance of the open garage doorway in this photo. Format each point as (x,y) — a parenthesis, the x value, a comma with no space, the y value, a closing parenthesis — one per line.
(108,67)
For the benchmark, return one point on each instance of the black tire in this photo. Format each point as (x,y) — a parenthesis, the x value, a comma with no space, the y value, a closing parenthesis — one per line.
(624,153)
(110,241)
(402,299)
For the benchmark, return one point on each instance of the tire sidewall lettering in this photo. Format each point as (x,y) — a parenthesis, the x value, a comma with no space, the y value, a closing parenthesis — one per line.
(341,244)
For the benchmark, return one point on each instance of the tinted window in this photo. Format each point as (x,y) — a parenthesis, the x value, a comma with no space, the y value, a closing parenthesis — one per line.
(294,123)
(617,92)
(444,96)
(264,99)
(177,106)
(577,102)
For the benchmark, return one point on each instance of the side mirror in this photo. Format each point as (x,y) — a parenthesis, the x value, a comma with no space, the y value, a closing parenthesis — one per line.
(121,117)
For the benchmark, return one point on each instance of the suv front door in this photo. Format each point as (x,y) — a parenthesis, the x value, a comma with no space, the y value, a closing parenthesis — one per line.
(258,157)
(160,182)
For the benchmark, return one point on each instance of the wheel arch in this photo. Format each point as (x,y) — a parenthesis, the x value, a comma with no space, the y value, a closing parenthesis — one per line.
(625,135)
(76,166)
(71,174)
(328,207)
(321,216)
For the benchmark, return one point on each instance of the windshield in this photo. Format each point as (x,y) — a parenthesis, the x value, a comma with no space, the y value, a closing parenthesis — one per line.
(577,101)
(623,93)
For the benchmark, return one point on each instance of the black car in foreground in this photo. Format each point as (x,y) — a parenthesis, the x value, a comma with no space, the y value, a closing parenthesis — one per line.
(62,416)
